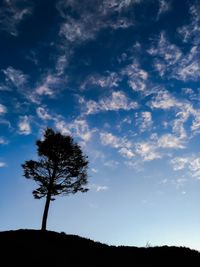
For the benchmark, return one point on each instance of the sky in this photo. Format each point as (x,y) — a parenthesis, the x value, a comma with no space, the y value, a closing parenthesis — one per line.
(121,77)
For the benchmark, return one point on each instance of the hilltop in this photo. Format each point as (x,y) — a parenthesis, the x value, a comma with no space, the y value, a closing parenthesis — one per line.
(36,248)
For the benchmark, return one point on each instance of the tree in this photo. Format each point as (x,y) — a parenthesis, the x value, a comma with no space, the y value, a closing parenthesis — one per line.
(61,169)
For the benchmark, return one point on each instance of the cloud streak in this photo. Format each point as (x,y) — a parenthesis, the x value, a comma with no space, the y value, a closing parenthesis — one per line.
(12,14)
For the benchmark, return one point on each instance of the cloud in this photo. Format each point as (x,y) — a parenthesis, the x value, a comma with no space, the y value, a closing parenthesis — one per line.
(24,125)
(191,32)
(170,61)
(147,151)
(144,120)
(108,81)
(62,62)
(196,122)
(47,86)
(126,152)
(3,109)
(3,141)
(163,100)
(12,13)
(50,86)
(43,113)
(188,67)
(2,164)
(16,77)
(192,164)
(183,111)
(164,6)
(165,55)
(123,145)
(117,101)
(137,77)
(98,188)
(90,18)
(78,128)
(170,141)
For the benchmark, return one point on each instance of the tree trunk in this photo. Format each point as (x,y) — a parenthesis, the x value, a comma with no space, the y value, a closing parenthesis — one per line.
(45,214)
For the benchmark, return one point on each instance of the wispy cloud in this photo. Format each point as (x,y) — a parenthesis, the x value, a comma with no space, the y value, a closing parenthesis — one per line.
(170,61)
(165,55)
(147,151)
(98,188)
(78,128)
(191,32)
(164,100)
(170,141)
(47,87)
(110,80)
(3,109)
(123,145)
(183,111)
(91,18)
(2,164)
(12,13)
(137,77)
(144,121)
(15,77)
(116,101)
(164,6)
(191,163)
(24,125)
(3,141)
(50,86)
(43,113)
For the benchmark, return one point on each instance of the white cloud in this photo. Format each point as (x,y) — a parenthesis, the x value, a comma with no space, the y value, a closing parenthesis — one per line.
(12,13)
(3,109)
(108,81)
(94,170)
(78,128)
(126,152)
(192,164)
(164,100)
(113,164)
(2,164)
(61,64)
(196,122)
(144,120)
(168,53)
(191,32)
(63,127)
(164,6)
(137,77)
(147,151)
(3,141)
(90,18)
(117,101)
(16,77)
(188,67)
(183,111)
(43,113)
(170,61)
(170,141)
(123,145)
(48,86)
(24,125)
(98,188)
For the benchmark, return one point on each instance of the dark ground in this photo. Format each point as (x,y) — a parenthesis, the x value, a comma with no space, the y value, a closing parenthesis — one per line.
(36,248)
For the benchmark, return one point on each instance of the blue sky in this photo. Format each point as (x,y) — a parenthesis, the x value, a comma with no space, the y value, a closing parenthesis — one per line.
(122,77)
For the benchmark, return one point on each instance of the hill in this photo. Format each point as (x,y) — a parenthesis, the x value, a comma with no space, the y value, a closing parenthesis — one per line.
(36,248)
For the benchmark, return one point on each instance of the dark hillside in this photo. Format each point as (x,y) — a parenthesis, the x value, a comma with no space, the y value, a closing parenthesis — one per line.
(36,248)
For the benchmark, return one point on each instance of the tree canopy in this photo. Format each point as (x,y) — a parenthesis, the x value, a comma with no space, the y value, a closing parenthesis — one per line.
(61,168)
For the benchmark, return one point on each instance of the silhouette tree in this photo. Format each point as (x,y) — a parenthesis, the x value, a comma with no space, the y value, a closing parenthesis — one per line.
(60,170)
